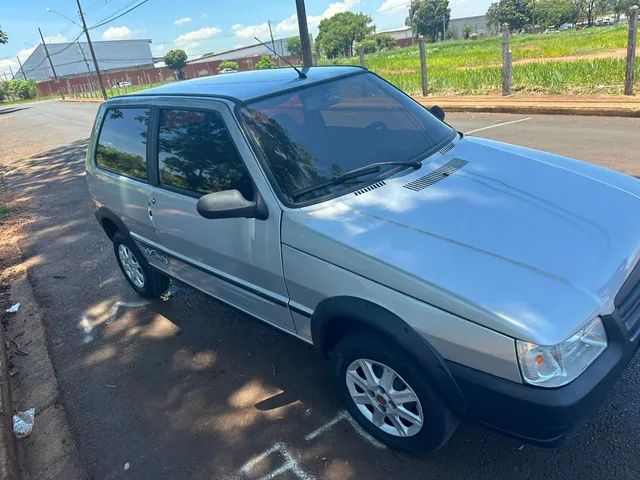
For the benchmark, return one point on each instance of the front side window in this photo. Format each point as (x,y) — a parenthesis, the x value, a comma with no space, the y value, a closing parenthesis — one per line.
(196,153)
(312,135)
(122,144)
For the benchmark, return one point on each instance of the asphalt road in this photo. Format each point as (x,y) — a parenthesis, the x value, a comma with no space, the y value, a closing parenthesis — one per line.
(190,388)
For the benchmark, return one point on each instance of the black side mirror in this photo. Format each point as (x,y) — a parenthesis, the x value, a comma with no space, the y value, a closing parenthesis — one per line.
(437,112)
(230,204)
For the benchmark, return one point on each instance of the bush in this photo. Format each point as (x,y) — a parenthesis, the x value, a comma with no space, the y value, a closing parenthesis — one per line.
(265,62)
(19,89)
(228,64)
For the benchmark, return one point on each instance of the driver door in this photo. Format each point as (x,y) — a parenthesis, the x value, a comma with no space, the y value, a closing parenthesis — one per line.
(237,260)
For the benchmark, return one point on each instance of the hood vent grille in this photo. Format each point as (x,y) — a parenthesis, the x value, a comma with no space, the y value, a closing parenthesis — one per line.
(447,149)
(369,188)
(436,175)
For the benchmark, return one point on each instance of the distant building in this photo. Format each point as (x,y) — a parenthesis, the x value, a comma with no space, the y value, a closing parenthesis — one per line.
(478,24)
(254,50)
(72,59)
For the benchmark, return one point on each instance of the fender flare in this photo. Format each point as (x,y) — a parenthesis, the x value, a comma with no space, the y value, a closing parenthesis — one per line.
(389,324)
(103,213)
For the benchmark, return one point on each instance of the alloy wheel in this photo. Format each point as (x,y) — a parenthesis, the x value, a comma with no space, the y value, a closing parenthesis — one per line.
(384,398)
(131,266)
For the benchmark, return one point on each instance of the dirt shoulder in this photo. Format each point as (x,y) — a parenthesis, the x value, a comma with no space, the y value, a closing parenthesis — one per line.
(29,381)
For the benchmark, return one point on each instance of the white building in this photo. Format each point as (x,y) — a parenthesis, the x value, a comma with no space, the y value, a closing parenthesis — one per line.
(71,59)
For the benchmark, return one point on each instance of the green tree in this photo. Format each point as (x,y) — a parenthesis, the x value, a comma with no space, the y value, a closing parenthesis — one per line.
(22,89)
(265,63)
(622,6)
(3,37)
(519,14)
(294,46)
(176,60)
(550,13)
(429,18)
(368,44)
(467,30)
(337,34)
(385,42)
(228,64)
(590,9)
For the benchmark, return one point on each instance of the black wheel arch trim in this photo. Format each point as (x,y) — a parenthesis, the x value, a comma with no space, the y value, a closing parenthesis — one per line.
(380,319)
(103,213)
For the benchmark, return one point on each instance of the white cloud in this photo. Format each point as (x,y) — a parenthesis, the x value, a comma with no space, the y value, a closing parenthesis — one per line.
(290,24)
(192,39)
(182,21)
(117,33)
(5,65)
(204,15)
(251,31)
(59,38)
(393,6)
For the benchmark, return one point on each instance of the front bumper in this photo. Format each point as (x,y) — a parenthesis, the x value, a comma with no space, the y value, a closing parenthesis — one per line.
(545,416)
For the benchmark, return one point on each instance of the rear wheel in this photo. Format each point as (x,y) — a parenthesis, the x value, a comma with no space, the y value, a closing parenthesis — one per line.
(145,280)
(389,395)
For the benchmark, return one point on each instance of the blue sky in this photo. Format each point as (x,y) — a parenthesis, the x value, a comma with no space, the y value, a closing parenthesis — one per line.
(197,26)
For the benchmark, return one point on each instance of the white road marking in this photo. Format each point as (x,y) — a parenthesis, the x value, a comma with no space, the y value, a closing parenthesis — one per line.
(290,464)
(344,415)
(497,125)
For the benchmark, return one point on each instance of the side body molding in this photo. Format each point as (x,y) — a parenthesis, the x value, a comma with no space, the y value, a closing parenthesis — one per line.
(328,316)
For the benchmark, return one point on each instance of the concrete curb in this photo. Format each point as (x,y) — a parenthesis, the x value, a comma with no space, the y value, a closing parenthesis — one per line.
(9,463)
(540,110)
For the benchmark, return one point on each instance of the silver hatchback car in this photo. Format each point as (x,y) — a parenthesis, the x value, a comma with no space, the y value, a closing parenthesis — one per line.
(444,276)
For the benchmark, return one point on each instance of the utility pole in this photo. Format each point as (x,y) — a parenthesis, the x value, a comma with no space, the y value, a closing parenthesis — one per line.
(13,77)
(53,69)
(93,54)
(444,28)
(21,67)
(86,64)
(273,44)
(305,43)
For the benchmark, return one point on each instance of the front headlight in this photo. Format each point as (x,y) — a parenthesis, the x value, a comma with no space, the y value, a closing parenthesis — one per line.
(557,365)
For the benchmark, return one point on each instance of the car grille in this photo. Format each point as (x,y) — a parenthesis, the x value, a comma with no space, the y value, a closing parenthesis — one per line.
(627,303)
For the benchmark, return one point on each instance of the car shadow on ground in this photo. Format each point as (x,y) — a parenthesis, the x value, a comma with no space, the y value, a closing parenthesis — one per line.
(191,388)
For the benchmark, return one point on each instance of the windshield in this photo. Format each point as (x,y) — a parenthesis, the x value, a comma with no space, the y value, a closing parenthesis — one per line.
(309,137)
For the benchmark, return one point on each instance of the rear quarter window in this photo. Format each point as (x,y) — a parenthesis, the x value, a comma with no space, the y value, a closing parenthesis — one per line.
(122,142)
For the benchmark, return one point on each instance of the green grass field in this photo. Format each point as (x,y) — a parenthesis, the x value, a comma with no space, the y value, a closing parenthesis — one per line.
(589,61)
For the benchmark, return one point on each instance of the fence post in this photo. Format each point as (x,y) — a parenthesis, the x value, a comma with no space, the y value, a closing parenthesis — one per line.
(629,78)
(507,68)
(361,52)
(423,66)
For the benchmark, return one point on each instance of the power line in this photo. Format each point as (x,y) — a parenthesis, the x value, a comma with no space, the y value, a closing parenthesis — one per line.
(120,15)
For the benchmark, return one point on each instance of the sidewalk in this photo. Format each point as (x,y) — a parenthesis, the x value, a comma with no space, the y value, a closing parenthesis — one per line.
(605,106)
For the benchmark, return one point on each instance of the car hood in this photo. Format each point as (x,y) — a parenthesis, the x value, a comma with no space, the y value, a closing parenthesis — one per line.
(529,244)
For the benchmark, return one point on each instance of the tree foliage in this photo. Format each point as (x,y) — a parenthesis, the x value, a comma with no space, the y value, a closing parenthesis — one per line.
(176,60)
(18,89)
(294,46)
(337,34)
(588,10)
(467,30)
(429,18)
(550,13)
(519,14)
(228,64)
(265,63)
(376,43)
(3,37)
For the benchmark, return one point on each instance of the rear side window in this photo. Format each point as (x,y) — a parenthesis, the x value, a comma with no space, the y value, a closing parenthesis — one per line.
(196,153)
(122,144)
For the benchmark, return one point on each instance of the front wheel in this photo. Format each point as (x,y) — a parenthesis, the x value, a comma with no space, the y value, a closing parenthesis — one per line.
(145,280)
(389,395)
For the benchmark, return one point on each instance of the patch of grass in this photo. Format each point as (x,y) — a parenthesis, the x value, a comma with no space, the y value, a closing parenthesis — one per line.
(5,211)
(467,67)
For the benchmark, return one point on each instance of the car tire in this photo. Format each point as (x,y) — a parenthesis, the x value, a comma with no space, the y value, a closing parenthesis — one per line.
(438,422)
(143,278)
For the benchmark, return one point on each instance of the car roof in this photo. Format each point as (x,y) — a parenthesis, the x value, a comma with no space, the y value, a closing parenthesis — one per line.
(244,86)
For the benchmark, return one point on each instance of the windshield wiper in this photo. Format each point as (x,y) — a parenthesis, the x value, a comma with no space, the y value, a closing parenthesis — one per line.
(351,174)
